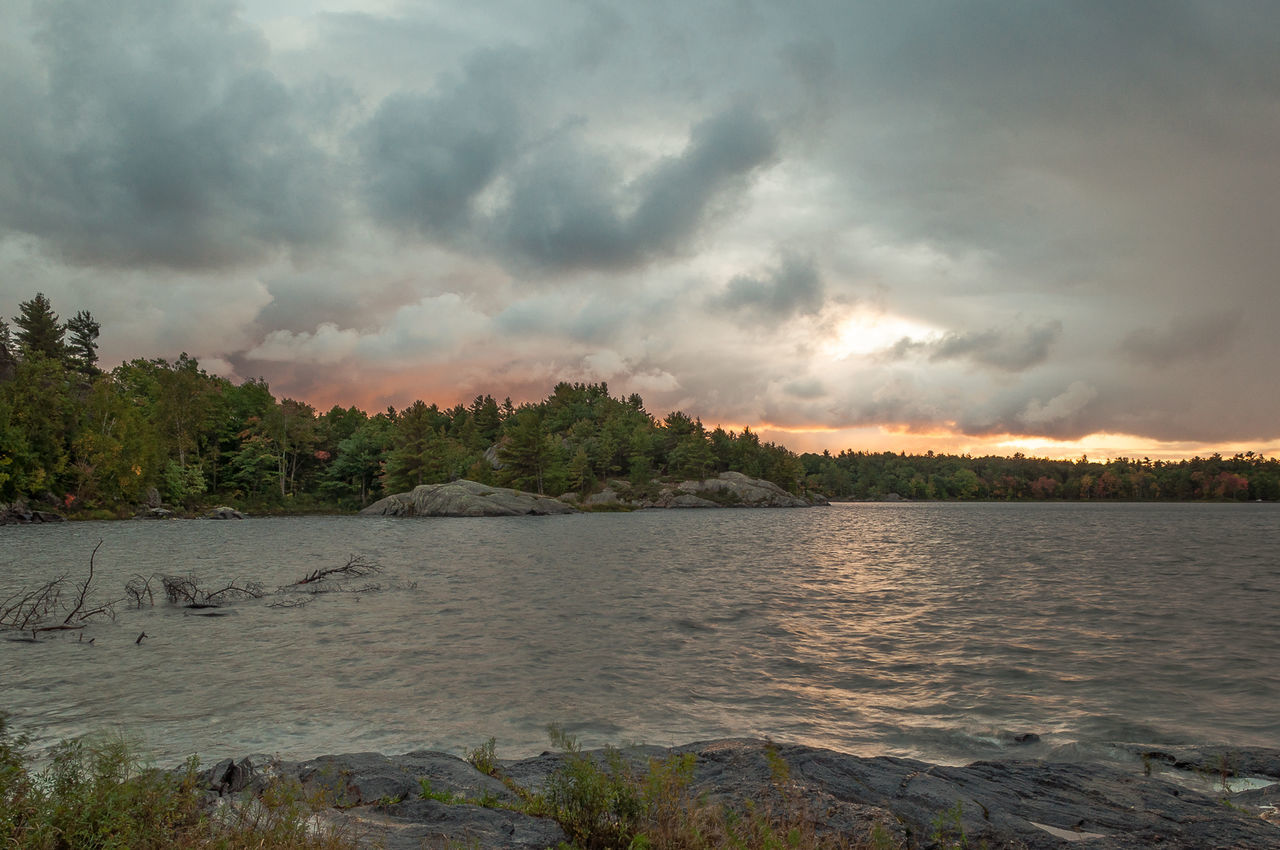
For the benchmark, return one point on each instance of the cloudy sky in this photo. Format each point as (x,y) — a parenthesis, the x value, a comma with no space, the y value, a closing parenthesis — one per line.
(977,226)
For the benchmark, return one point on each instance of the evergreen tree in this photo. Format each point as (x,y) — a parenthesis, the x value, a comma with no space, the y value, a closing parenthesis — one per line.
(39,332)
(527,453)
(83,347)
(8,358)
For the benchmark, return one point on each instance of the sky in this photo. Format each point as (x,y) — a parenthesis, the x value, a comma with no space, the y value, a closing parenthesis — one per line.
(982,227)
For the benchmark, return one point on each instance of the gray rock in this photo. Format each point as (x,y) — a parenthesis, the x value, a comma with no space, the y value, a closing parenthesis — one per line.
(1212,760)
(1016,804)
(685,500)
(466,498)
(224,512)
(739,489)
(607,496)
(1006,805)
(19,513)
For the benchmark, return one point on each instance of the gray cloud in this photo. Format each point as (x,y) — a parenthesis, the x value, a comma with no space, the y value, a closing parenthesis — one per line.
(151,133)
(573,174)
(1010,351)
(1183,338)
(569,209)
(427,157)
(794,287)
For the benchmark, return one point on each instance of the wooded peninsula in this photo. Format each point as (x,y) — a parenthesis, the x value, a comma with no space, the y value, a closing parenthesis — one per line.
(101,443)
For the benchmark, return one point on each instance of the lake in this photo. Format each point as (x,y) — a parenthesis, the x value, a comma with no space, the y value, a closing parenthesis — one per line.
(934,630)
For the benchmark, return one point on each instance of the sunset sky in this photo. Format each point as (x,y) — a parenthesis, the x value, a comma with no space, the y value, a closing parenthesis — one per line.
(981,226)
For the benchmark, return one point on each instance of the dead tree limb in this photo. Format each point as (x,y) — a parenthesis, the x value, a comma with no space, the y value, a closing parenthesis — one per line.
(31,610)
(355,567)
(84,587)
(139,591)
(186,591)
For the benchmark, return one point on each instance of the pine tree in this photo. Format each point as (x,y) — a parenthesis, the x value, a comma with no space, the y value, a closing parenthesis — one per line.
(39,332)
(83,347)
(8,359)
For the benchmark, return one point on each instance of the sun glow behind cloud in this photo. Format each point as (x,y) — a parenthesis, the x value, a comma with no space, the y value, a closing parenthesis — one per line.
(865,332)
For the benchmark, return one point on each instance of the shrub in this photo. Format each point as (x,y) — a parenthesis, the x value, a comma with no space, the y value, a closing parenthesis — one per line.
(97,793)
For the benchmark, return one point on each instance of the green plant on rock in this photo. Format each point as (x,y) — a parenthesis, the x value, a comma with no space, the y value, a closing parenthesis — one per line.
(948,828)
(603,801)
(596,801)
(428,793)
(484,758)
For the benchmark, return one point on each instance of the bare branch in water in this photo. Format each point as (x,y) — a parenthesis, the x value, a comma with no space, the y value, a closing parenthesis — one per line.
(185,590)
(355,567)
(31,610)
(84,588)
(139,591)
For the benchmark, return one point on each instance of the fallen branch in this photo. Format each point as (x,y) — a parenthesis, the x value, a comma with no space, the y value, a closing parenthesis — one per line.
(185,591)
(84,589)
(26,608)
(31,610)
(139,590)
(355,567)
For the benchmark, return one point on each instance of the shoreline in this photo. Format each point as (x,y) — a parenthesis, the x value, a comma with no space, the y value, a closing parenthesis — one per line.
(428,798)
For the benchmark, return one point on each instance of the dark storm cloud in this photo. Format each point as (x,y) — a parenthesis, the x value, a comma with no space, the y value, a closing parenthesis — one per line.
(150,133)
(427,157)
(792,288)
(570,209)
(550,187)
(1007,350)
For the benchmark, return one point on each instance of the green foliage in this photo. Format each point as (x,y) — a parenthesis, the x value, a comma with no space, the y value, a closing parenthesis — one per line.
(97,793)
(603,801)
(182,485)
(948,829)
(426,792)
(39,333)
(528,454)
(484,757)
(875,475)
(598,803)
(82,348)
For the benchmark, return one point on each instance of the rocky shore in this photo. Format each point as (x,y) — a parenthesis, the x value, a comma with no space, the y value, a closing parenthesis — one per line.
(469,498)
(20,513)
(1184,798)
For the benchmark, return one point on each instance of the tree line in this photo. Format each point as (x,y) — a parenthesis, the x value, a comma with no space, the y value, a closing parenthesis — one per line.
(880,475)
(153,429)
(107,441)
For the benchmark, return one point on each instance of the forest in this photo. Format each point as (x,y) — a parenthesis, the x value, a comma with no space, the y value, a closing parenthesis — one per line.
(100,443)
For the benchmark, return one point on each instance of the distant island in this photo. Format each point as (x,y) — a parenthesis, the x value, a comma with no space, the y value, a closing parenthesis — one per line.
(159,435)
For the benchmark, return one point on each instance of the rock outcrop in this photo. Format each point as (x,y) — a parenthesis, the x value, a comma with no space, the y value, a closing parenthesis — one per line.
(735,488)
(1027,805)
(728,489)
(19,513)
(225,512)
(466,498)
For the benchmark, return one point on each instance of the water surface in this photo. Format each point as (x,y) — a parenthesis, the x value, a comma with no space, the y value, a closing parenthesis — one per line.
(936,630)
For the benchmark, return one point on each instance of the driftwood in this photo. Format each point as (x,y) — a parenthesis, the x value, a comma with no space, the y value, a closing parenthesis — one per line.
(187,592)
(33,610)
(329,580)
(139,591)
(355,567)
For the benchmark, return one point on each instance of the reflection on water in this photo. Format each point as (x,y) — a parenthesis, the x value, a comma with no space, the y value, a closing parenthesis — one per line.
(934,630)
